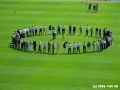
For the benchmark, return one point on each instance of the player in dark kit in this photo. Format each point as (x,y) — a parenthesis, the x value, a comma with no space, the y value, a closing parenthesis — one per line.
(34,45)
(89,7)
(94,8)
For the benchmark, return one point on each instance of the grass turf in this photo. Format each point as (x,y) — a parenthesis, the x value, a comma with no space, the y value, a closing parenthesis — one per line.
(32,71)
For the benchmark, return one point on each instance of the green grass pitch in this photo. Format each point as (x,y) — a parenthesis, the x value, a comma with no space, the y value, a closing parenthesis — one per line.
(32,71)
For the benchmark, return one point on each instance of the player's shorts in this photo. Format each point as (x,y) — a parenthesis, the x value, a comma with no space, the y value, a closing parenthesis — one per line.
(40,30)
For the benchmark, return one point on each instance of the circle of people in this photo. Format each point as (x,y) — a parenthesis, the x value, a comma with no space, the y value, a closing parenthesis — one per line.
(19,43)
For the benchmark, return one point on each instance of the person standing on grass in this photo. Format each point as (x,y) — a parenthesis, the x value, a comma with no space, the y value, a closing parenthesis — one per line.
(32,30)
(63,29)
(80,28)
(34,45)
(54,34)
(49,47)
(104,46)
(40,31)
(26,46)
(18,42)
(53,27)
(108,33)
(94,8)
(89,46)
(36,28)
(44,30)
(58,47)
(74,48)
(104,33)
(78,47)
(69,48)
(39,47)
(74,30)
(89,7)
(53,47)
(111,38)
(106,30)
(21,41)
(30,46)
(91,30)
(101,45)
(58,27)
(50,30)
(87,28)
(13,39)
(100,32)
(93,46)
(107,42)
(98,46)
(70,29)
(23,45)
(27,31)
(64,47)
(84,47)
(96,33)
(44,47)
